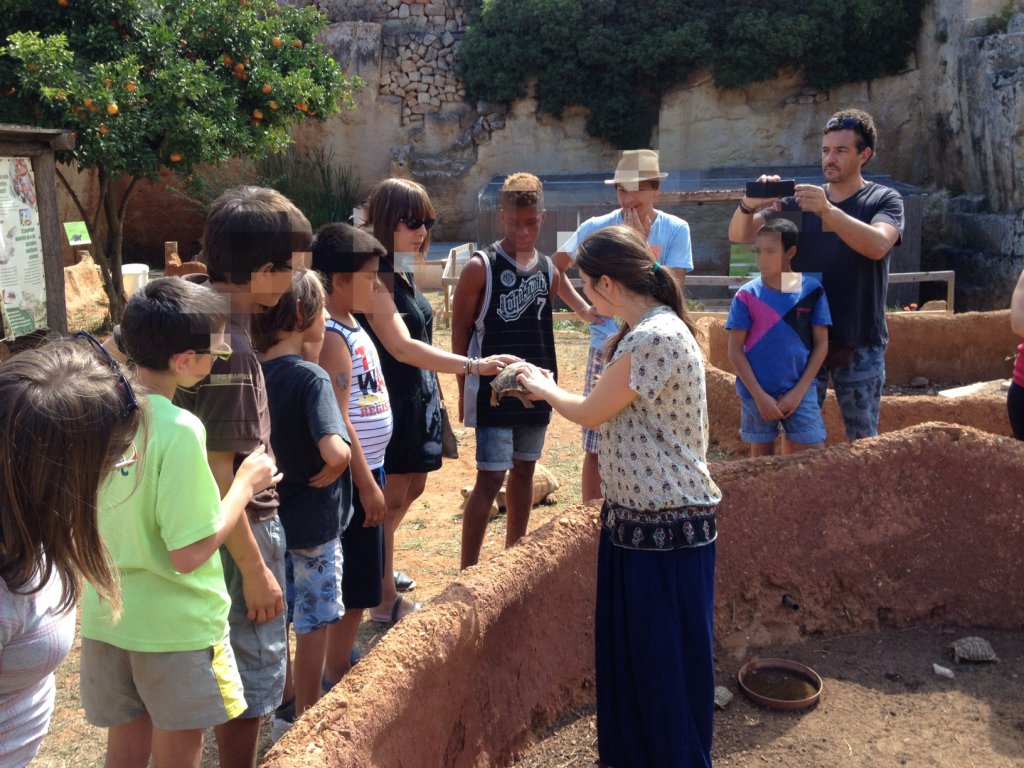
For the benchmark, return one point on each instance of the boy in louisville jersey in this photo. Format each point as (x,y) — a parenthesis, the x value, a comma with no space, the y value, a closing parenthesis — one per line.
(502,305)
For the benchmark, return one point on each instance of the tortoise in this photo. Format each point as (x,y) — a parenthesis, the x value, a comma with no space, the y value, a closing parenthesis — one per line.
(505,384)
(972,649)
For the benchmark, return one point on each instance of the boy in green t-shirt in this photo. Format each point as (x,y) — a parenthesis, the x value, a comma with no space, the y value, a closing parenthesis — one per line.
(159,672)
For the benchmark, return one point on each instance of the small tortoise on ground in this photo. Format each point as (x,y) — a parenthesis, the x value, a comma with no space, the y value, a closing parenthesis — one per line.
(505,385)
(972,649)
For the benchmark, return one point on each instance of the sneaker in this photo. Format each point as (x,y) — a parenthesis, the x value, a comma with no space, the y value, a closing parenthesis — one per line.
(282,720)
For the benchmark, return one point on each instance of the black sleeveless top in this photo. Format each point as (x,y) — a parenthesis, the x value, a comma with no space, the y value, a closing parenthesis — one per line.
(514,319)
(416,441)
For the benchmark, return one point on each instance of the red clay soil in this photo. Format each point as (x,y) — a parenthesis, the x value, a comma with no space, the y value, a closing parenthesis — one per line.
(920,526)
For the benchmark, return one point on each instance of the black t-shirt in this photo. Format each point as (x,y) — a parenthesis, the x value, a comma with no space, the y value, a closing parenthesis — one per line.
(854,284)
(303,409)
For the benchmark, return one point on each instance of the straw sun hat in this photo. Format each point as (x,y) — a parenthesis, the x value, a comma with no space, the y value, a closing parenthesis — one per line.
(636,165)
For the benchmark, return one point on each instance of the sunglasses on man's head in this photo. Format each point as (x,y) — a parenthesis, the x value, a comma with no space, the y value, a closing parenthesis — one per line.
(840,123)
(127,394)
(415,222)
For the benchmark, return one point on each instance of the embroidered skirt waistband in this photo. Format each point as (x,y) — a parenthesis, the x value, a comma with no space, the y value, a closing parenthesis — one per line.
(664,529)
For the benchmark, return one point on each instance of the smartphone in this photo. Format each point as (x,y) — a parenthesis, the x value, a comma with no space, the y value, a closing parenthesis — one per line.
(765,189)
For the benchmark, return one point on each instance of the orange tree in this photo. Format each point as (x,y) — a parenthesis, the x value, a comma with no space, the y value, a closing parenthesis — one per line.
(146,85)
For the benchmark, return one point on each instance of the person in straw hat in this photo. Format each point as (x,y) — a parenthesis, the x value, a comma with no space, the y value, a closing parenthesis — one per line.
(637,182)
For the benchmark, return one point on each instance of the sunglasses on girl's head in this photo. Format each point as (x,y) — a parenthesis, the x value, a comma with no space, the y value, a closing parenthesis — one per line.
(124,388)
(415,222)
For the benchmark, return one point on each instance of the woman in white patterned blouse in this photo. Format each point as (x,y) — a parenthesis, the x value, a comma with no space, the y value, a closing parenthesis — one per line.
(656,562)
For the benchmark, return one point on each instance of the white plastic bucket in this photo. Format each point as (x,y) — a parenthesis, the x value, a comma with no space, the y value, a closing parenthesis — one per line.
(135,276)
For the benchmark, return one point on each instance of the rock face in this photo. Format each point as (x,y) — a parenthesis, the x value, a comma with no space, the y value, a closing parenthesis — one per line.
(865,543)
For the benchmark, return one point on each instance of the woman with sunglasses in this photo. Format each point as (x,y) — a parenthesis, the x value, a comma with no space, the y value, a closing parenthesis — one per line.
(67,419)
(401,327)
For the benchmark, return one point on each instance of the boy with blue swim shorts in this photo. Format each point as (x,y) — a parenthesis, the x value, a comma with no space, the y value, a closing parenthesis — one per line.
(778,339)
(311,441)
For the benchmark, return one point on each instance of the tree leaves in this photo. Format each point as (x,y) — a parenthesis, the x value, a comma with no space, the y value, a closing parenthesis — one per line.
(617,58)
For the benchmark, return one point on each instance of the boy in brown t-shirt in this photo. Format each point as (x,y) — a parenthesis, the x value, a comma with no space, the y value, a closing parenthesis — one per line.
(253,238)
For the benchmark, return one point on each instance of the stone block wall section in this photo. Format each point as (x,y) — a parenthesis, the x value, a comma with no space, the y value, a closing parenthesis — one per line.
(866,543)
(420,40)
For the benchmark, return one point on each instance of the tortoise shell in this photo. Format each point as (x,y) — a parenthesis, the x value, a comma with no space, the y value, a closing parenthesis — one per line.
(972,649)
(505,385)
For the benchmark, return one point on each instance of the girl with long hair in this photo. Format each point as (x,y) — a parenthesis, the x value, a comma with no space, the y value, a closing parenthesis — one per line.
(67,419)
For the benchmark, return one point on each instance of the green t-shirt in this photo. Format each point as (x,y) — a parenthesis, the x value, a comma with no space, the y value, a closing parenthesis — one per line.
(165,501)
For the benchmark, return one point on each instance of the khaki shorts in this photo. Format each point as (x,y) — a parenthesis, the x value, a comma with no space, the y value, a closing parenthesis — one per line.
(179,690)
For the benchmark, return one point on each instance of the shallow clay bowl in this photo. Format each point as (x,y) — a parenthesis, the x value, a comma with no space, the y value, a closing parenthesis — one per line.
(783,666)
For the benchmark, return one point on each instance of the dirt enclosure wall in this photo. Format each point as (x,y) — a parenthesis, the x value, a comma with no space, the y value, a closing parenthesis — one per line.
(941,347)
(923,525)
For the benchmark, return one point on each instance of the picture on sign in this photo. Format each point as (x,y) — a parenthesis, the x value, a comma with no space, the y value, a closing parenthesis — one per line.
(77,232)
(22,288)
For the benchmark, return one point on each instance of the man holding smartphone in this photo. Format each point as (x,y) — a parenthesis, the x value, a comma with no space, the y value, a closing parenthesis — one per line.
(848,227)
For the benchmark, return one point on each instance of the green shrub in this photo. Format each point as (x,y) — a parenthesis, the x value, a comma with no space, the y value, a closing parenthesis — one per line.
(618,58)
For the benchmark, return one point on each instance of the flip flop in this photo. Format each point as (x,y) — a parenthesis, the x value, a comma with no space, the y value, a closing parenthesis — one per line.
(403,582)
(396,612)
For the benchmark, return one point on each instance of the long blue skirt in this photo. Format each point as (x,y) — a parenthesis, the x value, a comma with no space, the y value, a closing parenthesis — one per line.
(655,666)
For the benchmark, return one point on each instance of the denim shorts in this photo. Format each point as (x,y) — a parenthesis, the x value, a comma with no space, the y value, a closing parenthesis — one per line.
(858,389)
(313,586)
(804,425)
(497,446)
(179,690)
(595,366)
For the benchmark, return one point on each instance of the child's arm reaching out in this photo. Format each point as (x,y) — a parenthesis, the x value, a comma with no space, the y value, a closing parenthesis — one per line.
(255,473)
(611,395)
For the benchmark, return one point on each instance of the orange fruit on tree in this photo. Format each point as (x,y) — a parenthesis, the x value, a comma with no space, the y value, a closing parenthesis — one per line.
(228,61)
(112,109)
(107,83)
(244,76)
(89,105)
(257,123)
(297,43)
(258,114)
(273,105)
(177,157)
(131,87)
(267,88)
(301,106)
(239,67)
(63,3)
(103,130)
(277,42)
